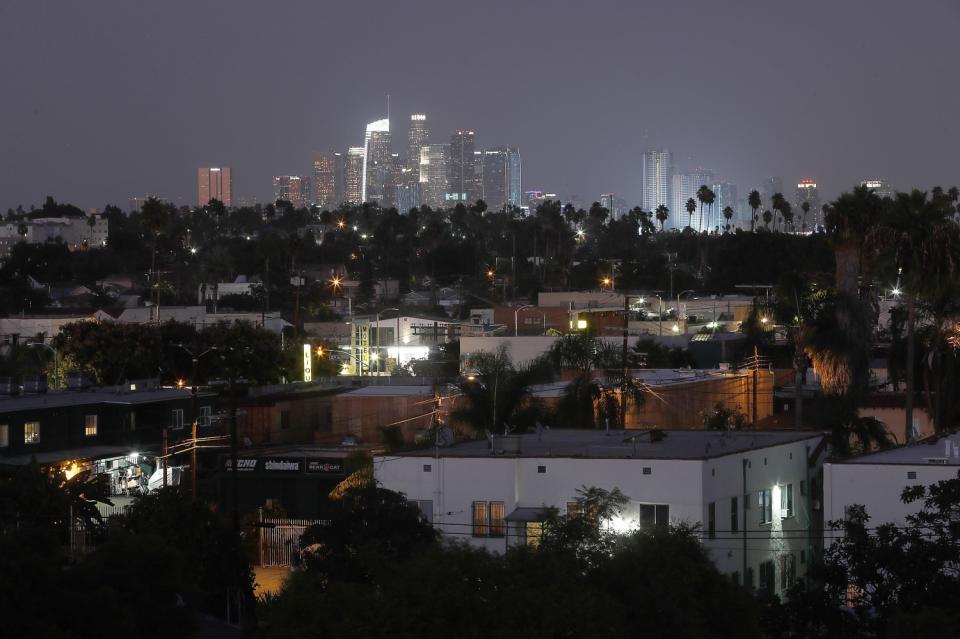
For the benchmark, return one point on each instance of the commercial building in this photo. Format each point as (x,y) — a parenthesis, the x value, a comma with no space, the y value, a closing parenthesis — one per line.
(807,192)
(214,183)
(434,159)
(615,204)
(328,177)
(78,233)
(418,136)
(292,188)
(353,175)
(656,179)
(879,186)
(462,184)
(748,491)
(502,185)
(376,161)
(877,480)
(726,195)
(685,187)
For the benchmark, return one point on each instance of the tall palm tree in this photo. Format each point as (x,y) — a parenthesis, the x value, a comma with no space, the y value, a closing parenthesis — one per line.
(805,207)
(776,203)
(767,217)
(496,393)
(786,210)
(691,206)
(754,201)
(706,196)
(727,215)
(663,213)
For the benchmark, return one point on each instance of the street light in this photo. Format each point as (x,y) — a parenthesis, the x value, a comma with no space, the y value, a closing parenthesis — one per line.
(679,295)
(195,360)
(56,358)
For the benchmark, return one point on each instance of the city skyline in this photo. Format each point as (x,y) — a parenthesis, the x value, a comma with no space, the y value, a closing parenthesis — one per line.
(87,128)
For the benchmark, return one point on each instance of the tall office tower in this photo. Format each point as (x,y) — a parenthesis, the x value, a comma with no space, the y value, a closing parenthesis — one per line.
(685,186)
(615,204)
(726,195)
(376,161)
(501,178)
(327,179)
(881,187)
(214,183)
(292,188)
(771,185)
(353,175)
(434,159)
(461,175)
(418,135)
(657,180)
(408,195)
(807,192)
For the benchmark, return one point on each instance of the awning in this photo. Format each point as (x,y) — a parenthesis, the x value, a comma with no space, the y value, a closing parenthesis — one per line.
(54,456)
(528,514)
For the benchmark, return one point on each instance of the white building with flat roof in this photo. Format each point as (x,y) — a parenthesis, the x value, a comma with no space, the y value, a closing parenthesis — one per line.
(747,490)
(876,480)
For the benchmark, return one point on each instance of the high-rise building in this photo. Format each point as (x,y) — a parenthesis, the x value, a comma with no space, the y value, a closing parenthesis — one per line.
(807,192)
(533,199)
(726,195)
(418,135)
(433,174)
(771,185)
(408,195)
(501,178)
(461,174)
(657,180)
(615,204)
(353,175)
(376,161)
(685,186)
(881,187)
(328,179)
(292,188)
(214,183)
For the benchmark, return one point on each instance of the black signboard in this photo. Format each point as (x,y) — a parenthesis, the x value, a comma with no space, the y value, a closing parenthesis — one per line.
(244,465)
(325,466)
(282,465)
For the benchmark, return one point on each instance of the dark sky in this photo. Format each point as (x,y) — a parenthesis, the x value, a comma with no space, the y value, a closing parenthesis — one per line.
(106,99)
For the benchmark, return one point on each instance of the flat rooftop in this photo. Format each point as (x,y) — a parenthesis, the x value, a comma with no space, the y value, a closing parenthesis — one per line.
(620,444)
(919,454)
(65,398)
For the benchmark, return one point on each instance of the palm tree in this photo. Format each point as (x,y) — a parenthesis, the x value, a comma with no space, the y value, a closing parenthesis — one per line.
(706,196)
(754,201)
(691,206)
(663,213)
(786,210)
(805,207)
(767,217)
(727,215)
(776,203)
(495,393)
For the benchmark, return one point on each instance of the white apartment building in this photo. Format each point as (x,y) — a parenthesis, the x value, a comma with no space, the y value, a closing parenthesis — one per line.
(76,232)
(747,490)
(876,480)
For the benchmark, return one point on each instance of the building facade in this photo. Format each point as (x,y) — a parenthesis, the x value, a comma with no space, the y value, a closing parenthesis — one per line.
(328,179)
(376,161)
(685,187)
(657,179)
(502,185)
(461,173)
(418,136)
(292,188)
(433,174)
(353,175)
(726,195)
(807,192)
(214,183)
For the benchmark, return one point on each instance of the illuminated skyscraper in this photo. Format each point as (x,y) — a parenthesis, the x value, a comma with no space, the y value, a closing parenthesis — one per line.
(353,176)
(501,178)
(615,204)
(328,179)
(417,136)
(657,179)
(726,195)
(376,161)
(881,187)
(214,183)
(433,174)
(807,192)
(685,186)
(292,188)
(461,175)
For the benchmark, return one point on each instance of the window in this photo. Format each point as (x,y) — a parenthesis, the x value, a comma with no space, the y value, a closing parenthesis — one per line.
(90,426)
(488,519)
(177,419)
(654,515)
(428,468)
(205,413)
(31,433)
(765,502)
(911,474)
(4,435)
(541,469)
(768,577)
(712,520)
(803,488)
(733,515)
(647,470)
(786,501)
(788,571)
(425,506)
(284,420)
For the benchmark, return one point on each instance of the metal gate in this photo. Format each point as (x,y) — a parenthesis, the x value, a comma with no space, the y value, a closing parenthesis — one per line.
(280,539)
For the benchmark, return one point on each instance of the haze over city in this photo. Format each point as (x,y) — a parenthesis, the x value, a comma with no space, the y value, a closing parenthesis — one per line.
(111,100)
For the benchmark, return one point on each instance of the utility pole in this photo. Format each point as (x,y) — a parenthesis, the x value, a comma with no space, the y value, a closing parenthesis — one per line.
(623,385)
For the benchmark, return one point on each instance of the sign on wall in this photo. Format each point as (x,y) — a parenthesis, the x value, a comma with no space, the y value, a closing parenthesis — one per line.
(307,363)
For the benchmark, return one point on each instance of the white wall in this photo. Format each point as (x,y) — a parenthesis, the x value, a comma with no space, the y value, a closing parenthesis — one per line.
(687,486)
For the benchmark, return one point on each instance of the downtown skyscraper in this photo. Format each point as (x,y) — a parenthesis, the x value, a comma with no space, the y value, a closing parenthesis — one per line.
(292,188)
(656,181)
(353,175)
(418,135)
(434,159)
(462,180)
(685,187)
(807,192)
(214,183)
(502,185)
(377,163)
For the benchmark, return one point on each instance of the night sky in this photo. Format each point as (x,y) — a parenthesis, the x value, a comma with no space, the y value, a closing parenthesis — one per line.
(107,99)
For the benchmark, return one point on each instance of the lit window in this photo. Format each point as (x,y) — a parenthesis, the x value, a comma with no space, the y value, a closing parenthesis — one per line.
(481,519)
(31,433)
(4,435)
(90,426)
(497,524)
(786,500)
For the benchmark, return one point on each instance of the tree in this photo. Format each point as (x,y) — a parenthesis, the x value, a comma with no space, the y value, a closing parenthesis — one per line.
(727,215)
(496,394)
(663,213)
(777,203)
(767,217)
(705,196)
(691,206)
(754,201)
(805,207)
